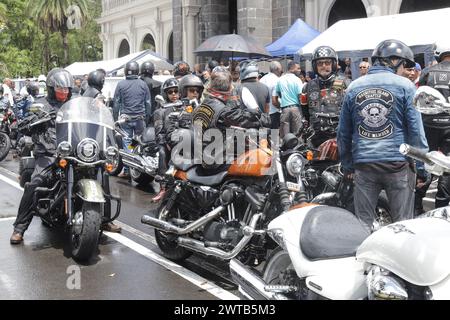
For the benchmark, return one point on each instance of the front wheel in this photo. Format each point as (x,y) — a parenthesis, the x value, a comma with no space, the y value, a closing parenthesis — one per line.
(5,145)
(166,241)
(85,231)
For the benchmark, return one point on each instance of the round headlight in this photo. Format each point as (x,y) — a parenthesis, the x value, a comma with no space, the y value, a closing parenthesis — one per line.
(87,150)
(64,149)
(294,164)
(111,153)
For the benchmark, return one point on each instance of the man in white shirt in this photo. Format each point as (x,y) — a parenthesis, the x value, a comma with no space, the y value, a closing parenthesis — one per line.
(7,91)
(271,80)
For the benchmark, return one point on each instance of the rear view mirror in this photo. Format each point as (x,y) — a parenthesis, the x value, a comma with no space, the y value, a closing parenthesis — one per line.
(160,99)
(430,101)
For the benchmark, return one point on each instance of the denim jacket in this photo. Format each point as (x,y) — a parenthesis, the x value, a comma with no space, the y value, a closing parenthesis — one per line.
(377,116)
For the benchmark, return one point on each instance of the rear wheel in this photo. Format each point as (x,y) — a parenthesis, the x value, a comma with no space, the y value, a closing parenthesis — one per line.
(85,231)
(5,145)
(166,241)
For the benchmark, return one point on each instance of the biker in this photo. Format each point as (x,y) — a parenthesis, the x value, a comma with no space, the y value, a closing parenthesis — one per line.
(181,68)
(170,93)
(22,107)
(59,85)
(146,74)
(437,127)
(96,80)
(325,93)
(132,102)
(191,88)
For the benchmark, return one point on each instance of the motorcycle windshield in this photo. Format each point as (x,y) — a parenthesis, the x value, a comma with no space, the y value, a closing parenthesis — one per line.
(85,118)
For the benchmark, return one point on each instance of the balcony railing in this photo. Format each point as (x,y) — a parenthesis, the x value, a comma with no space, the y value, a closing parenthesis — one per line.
(116,5)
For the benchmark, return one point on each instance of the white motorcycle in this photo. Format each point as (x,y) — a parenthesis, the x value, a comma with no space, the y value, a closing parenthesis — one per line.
(325,253)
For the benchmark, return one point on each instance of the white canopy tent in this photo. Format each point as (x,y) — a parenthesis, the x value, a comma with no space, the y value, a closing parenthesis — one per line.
(356,38)
(115,66)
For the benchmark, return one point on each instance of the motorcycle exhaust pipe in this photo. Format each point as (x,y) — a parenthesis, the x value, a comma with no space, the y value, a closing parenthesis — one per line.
(250,284)
(199,246)
(168,227)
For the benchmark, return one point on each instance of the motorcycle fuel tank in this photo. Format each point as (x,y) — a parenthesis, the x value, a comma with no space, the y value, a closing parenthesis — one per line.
(415,250)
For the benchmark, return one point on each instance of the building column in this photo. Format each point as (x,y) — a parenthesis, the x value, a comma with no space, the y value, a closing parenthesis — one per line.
(191,9)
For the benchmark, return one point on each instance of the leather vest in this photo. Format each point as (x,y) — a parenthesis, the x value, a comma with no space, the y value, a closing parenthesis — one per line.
(208,113)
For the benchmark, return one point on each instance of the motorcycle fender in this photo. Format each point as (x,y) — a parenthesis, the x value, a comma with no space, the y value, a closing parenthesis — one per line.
(28,162)
(342,286)
(90,191)
(441,290)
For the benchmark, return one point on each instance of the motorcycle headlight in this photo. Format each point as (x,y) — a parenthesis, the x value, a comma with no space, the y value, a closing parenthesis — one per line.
(278,236)
(294,164)
(88,150)
(64,149)
(112,153)
(383,285)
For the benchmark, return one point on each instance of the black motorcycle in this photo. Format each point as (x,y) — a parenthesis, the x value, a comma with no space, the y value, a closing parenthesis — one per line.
(8,130)
(79,199)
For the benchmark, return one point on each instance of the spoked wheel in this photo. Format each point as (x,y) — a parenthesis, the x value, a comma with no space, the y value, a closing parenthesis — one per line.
(86,231)
(5,145)
(167,242)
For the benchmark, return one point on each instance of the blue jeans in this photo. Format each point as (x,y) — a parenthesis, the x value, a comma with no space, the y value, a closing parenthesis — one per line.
(132,128)
(399,187)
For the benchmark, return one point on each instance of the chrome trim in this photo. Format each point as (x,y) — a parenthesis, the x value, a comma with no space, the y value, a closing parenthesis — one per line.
(82,144)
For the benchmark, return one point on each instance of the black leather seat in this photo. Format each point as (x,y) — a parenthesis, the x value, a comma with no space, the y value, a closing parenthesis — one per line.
(198,175)
(330,233)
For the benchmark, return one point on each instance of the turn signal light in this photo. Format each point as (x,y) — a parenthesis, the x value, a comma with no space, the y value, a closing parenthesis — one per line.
(63,163)
(189,109)
(309,155)
(109,167)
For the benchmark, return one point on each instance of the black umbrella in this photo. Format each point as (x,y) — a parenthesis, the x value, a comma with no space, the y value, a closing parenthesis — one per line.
(232,45)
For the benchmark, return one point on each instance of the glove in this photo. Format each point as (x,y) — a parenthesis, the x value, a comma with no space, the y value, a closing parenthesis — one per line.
(264,120)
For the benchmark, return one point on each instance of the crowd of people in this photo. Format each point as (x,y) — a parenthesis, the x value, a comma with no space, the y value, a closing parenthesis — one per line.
(375,110)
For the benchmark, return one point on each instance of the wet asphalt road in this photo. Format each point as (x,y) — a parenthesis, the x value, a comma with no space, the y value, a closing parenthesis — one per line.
(128,266)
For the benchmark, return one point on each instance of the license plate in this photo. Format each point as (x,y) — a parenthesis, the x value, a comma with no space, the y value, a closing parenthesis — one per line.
(295,187)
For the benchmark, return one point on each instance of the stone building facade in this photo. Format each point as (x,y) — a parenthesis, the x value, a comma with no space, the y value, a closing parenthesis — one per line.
(175,28)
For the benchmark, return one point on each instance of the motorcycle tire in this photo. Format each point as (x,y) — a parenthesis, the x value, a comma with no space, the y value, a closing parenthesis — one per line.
(5,145)
(169,247)
(25,176)
(85,243)
(139,177)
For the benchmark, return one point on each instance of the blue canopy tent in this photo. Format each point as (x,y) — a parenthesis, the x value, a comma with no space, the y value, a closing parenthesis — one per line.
(298,35)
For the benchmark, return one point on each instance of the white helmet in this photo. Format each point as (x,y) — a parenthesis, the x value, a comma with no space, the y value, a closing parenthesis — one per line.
(42,78)
(441,50)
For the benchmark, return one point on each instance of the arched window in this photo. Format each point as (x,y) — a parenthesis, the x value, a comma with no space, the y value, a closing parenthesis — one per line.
(124,48)
(170,47)
(346,9)
(420,5)
(148,43)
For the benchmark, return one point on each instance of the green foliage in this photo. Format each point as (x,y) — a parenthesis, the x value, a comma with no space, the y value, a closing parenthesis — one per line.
(23,41)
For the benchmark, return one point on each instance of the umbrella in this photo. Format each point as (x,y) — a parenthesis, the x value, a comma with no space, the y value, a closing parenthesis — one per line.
(231,45)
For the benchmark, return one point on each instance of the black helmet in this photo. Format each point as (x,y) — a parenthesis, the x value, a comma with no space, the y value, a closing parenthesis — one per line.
(181,68)
(324,52)
(394,49)
(212,64)
(33,88)
(131,69)
(59,78)
(147,68)
(248,69)
(169,83)
(187,81)
(96,79)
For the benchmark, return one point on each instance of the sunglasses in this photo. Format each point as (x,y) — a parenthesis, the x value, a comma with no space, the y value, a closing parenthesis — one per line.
(193,90)
(172,91)
(363,67)
(324,63)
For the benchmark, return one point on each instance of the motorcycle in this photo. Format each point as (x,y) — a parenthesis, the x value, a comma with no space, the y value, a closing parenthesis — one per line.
(79,200)
(325,253)
(8,126)
(223,212)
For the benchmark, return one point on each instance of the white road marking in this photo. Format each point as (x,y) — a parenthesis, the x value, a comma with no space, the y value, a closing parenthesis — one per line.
(7,219)
(149,254)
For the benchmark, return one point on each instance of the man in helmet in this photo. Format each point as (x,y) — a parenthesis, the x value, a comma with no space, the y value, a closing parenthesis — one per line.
(161,120)
(377,116)
(132,101)
(96,80)
(146,74)
(191,88)
(181,68)
(323,94)
(437,127)
(248,73)
(59,90)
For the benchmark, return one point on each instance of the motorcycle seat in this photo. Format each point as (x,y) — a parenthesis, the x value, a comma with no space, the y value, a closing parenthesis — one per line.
(198,175)
(331,233)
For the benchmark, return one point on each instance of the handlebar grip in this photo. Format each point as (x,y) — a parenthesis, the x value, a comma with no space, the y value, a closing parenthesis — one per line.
(415,153)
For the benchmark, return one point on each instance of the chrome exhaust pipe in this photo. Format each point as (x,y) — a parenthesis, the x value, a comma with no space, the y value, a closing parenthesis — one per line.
(250,284)
(324,197)
(199,246)
(170,228)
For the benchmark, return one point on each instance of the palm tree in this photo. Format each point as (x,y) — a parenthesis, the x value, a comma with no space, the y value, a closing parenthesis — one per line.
(52,16)
(2,15)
